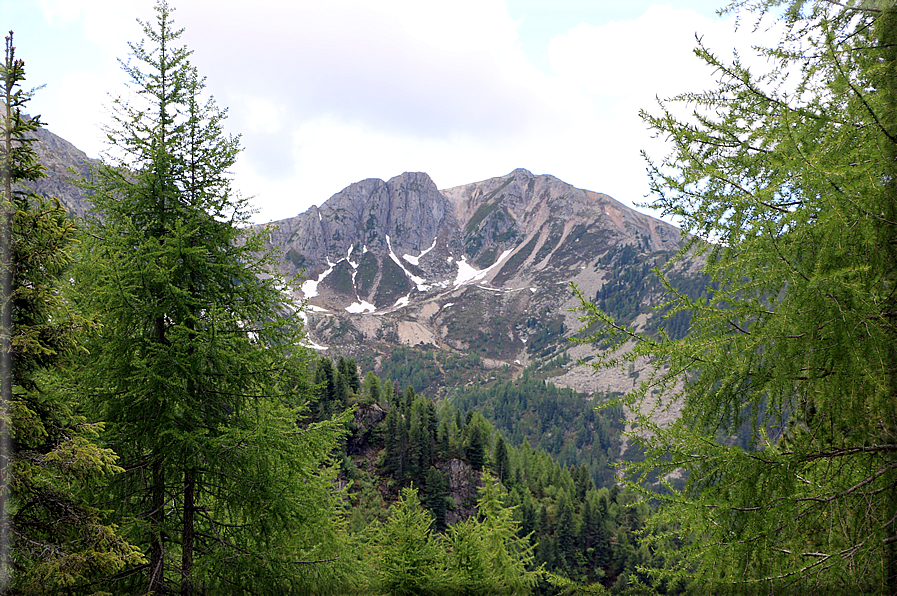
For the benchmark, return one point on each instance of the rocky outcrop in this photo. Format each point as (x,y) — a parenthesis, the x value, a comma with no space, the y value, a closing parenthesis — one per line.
(365,421)
(480,269)
(463,482)
(483,267)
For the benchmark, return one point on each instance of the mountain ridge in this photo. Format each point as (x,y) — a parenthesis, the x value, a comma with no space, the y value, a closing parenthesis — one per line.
(480,269)
(483,267)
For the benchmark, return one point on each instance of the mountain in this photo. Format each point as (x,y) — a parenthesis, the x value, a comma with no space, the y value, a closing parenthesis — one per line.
(454,288)
(65,164)
(484,268)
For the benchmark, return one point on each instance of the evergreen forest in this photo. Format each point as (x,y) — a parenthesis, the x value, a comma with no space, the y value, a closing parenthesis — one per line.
(165,429)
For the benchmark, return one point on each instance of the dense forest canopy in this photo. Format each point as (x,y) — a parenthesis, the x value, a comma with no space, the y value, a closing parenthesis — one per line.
(172,434)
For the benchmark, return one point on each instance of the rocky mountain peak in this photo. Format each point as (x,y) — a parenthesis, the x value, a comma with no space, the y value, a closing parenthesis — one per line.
(481,269)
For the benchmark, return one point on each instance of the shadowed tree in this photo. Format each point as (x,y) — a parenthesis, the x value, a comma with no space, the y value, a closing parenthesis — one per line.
(59,537)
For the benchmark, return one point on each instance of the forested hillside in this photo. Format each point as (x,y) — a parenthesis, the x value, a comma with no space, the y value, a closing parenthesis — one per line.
(171,422)
(577,527)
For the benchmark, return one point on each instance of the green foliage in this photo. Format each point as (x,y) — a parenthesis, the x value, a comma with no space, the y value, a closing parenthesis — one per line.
(197,368)
(789,192)
(549,335)
(61,538)
(631,280)
(409,367)
(410,559)
(487,556)
(476,557)
(560,421)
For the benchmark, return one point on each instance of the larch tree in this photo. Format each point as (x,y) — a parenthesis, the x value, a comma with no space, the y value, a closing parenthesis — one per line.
(785,182)
(198,366)
(58,539)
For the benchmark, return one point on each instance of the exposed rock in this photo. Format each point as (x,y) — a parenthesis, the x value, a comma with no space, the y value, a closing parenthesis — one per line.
(60,157)
(366,420)
(463,482)
(483,268)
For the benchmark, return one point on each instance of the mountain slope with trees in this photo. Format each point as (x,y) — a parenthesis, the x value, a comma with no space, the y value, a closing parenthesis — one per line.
(174,434)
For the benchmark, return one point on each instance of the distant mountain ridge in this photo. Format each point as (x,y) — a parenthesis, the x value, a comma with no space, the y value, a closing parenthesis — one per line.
(480,270)
(483,267)
(65,164)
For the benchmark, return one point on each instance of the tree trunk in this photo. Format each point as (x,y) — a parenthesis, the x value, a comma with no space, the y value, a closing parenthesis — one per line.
(187,534)
(157,518)
(6,215)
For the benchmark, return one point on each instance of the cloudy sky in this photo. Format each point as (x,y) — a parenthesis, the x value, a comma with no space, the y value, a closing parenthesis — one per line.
(326,93)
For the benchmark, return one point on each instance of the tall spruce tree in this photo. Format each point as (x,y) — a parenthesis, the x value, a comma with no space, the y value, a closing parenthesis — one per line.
(788,190)
(198,367)
(58,538)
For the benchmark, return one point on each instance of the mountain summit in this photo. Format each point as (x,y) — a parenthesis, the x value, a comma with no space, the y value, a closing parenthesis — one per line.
(482,267)
(480,270)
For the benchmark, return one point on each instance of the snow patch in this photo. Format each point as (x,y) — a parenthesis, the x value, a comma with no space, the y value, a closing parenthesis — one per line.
(416,260)
(420,282)
(403,301)
(310,286)
(360,307)
(448,305)
(467,274)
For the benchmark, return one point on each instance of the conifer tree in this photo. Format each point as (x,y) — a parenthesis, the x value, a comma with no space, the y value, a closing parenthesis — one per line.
(488,556)
(501,461)
(198,368)
(410,560)
(565,530)
(787,188)
(372,387)
(436,493)
(58,537)
(476,446)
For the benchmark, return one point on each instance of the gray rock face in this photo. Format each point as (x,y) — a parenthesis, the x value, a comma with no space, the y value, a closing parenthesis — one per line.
(463,482)
(366,419)
(58,155)
(483,268)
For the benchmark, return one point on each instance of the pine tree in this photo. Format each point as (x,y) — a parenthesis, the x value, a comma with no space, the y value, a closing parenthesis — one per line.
(565,531)
(409,561)
(788,192)
(392,455)
(436,493)
(326,381)
(372,387)
(488,556)
(501,461)
(476,449)
(197,367)
(59,538)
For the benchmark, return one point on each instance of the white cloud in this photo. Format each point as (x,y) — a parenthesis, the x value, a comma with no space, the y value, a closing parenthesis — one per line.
(109,24)
(328,93)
